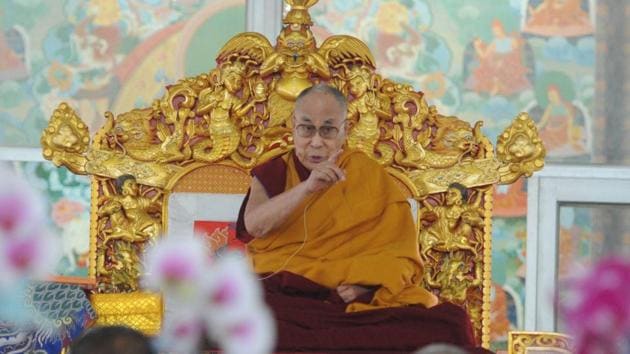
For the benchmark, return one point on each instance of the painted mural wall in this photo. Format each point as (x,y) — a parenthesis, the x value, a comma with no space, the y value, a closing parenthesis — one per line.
(101,55)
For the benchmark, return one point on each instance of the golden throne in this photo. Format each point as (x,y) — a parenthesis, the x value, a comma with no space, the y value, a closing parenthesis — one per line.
(208,131)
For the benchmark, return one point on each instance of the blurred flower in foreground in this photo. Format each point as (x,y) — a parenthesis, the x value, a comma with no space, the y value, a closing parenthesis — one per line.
(219,297)
(597,309)
(27,250)
(176,266)
(20,207)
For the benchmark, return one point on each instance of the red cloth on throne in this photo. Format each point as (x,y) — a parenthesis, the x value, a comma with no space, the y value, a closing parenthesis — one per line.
(311,317)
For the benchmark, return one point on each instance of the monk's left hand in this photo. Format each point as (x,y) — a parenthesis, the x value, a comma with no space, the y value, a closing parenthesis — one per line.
(349,293)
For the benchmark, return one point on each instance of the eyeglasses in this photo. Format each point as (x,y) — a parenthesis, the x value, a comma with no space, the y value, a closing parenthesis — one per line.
(309,131)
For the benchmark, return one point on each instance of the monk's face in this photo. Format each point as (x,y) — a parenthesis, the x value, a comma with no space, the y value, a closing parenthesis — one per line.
(318,128)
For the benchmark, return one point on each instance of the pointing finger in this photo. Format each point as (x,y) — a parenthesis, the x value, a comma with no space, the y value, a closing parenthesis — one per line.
(335,155)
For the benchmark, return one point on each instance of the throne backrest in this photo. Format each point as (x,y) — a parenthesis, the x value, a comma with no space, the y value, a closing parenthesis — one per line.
(208,131)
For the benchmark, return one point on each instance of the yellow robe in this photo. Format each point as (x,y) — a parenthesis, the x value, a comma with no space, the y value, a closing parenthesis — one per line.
(359,231)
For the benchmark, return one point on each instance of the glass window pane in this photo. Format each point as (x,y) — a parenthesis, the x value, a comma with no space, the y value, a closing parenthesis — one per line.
(588,232)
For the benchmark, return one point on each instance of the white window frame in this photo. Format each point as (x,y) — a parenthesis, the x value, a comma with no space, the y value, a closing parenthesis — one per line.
(21,154)
(265,16)
(547,190)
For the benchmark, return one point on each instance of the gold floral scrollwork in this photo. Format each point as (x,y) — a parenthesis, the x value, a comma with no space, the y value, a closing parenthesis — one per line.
(531,342)
(66,139)
(520,150)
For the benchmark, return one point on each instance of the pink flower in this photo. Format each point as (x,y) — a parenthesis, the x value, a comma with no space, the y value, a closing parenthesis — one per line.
(222,296)
(188,329)
(232,289)
(176,266)
(27,250)
(21,254)
(225,292)
(27,256)
(236,315)
(181,333)
(20,207)
(252,335)
(597,312)
(12,212)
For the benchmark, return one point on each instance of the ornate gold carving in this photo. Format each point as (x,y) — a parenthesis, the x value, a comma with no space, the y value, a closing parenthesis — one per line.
(451,225)
(113,164)
(140,311)
(520,342)
(520,149)
(239,114)
(127,220)
(299,12)
(364,113)
(519,153)
(65,142)
(224,113)
(452,246)
(66,139)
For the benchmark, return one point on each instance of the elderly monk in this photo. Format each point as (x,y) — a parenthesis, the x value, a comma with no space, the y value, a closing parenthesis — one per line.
(334,241)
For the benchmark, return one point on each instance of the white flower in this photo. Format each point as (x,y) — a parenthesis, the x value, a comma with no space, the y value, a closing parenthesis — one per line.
(31,255)
(222,298)
(21,208)
(181,333)
(254,334)
(176,266)
(231,290)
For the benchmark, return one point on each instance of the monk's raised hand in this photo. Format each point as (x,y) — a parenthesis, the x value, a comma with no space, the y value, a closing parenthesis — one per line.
(325,174)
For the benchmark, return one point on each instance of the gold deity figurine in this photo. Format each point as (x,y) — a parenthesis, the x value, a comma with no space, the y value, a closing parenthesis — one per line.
(364,112)
(130,213)
(127,223)
(451,226)
(222,108)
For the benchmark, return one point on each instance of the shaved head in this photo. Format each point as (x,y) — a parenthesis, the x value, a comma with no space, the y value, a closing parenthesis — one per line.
(323,88)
